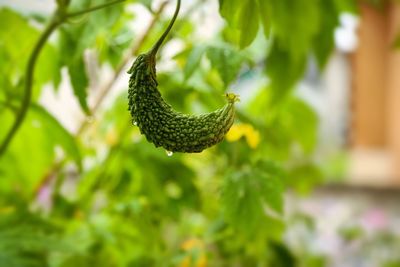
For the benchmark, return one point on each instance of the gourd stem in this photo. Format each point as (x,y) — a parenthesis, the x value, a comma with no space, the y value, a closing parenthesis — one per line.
(157,45)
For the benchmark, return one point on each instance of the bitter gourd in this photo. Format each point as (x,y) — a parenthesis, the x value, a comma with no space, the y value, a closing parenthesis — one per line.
(163,126)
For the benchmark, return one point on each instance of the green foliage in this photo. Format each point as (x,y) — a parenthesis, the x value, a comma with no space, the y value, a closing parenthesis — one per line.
(392,263)
(37,142)
(248,193)
(224,59)
(282,257)
(295,29)
(105,197)
(75,39)
(242,17)
(58,133)
(323,42)
(283,70)
(15,53)
(28,241)
(351,233)
(193,60)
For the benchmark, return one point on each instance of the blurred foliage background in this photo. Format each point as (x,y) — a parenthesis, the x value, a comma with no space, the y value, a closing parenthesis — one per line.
(98,194)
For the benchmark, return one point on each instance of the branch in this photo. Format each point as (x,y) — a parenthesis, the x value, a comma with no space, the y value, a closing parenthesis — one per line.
(58,18)
(28,84)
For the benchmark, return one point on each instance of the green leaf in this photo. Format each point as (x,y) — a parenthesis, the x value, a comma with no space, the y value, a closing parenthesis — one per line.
(26,240)
(16,40)
(58,133)
(95,32)
(272,186)
(315,260)
(72,57)
(32,151)
(281,255)
(302,122)
(28,157)
(241,15)
(229,10)
(295,23)
(283,70)
(265,17)
(63,4)
(79,81)
(146,3)
(346,6)
(193,60)
(304,177)
(113,44)
(246,193)
(7,117)
(48,67)
(242,202)
(227,62)
(248,23)
(16,43)
(323,43)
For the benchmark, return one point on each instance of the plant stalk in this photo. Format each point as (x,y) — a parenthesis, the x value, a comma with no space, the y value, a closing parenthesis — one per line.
(159,42)
(29,72)
(58,18)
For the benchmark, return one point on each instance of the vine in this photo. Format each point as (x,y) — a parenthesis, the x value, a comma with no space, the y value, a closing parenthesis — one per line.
(59,17)
(104,91)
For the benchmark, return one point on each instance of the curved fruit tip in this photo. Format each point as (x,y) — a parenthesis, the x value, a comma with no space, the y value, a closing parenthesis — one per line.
(232,98)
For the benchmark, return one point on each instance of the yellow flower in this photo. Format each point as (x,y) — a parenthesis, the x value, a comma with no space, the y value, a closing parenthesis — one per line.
(253,138)
(111,137)
(189,260)
(186,262)
(191,244)
(240,130)
(202,261)
(235,133)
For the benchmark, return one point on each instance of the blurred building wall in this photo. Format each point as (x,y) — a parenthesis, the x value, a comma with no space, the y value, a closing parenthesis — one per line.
(393,85)
(375,127)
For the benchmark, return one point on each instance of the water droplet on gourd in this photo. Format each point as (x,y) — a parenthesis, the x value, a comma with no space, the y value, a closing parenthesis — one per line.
(169,153)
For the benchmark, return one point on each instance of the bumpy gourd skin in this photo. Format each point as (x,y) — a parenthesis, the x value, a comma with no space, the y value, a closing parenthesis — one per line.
(165,127)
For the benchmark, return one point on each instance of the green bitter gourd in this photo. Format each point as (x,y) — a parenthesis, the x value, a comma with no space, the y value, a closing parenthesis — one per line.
(163,126)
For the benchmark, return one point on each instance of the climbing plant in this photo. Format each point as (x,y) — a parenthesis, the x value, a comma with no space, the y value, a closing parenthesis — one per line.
(100,194)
